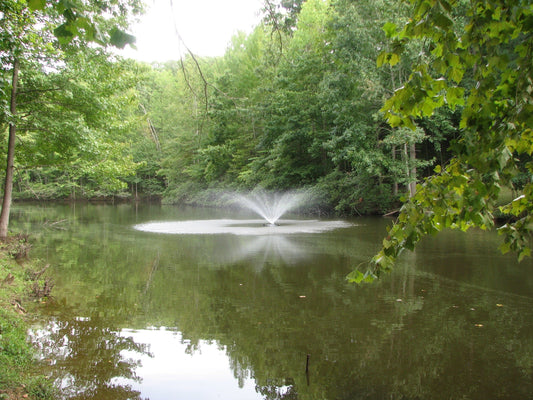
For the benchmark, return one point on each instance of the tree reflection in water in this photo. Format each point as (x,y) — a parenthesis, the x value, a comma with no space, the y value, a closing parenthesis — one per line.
(454,320)
(278,391)
(85,357)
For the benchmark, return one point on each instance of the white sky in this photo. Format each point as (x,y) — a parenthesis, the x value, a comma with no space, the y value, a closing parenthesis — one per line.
(206,27)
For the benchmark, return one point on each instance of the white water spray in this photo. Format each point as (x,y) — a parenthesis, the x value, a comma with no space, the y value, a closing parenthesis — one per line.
(271,207)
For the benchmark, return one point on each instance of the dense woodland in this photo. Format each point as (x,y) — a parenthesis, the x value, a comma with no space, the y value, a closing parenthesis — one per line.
(294,104)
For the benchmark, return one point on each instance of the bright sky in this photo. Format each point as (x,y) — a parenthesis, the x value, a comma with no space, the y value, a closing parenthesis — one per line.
(206,27)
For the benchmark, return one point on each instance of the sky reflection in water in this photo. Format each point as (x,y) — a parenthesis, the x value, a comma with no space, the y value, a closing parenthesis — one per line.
(175,369)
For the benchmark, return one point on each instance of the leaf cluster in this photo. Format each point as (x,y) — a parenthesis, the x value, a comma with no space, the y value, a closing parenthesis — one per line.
(484,68)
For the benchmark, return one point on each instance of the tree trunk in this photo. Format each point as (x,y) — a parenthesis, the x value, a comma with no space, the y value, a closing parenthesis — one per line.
(412,173)
(8,184)
(395,184)
(409,152)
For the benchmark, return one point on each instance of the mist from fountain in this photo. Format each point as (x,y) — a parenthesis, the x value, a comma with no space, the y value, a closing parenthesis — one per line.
(271,206)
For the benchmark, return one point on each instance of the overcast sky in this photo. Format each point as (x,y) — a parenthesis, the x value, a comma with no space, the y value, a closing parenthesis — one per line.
(206,27)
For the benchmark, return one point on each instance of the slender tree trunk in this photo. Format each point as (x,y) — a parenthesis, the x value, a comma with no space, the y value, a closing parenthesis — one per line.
(395,184)
(8,184)
(409,152)
(412,174)
(405,158)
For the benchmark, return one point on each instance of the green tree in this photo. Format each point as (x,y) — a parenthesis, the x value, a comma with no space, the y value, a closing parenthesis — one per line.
(26,41)
(290,152)
(483,68)
(174,101)
(236,111)
(76,126)
(360,143)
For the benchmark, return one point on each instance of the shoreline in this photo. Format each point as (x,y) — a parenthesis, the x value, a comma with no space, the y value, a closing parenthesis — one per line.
(22,283)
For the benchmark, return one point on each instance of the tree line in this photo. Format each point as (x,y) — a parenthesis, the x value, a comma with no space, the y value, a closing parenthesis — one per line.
(294,104)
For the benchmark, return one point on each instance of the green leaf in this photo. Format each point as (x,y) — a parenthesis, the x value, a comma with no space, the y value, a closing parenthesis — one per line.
(525,252)
(37,4)
(387,58)
(390,29)
(63,33)
(120,38)
(394,120)
(355,276)
(455,97)
(442,21)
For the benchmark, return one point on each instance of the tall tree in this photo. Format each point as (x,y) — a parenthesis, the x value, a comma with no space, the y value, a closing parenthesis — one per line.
(26,38)
(76,125)
(15,39)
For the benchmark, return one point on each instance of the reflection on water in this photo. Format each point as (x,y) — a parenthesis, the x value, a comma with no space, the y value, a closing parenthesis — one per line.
(176,369)
(271,247)
(86,357)
(143,315)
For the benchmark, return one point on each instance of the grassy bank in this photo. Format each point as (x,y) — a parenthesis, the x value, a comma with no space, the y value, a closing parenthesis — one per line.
(22,282)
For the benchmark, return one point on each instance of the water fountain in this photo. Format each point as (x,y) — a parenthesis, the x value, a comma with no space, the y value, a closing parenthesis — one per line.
(271,207)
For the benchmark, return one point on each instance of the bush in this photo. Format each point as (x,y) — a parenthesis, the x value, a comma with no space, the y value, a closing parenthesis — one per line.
(349,194)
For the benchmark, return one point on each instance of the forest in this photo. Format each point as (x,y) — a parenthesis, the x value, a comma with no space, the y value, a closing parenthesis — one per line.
(294,104)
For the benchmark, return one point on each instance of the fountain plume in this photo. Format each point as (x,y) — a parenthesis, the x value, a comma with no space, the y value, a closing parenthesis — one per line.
(271,206)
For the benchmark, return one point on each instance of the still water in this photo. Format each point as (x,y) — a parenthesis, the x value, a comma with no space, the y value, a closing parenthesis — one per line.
(144,315)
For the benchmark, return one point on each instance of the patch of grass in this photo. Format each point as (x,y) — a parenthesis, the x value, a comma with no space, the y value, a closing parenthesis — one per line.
(15,352)
(17,362)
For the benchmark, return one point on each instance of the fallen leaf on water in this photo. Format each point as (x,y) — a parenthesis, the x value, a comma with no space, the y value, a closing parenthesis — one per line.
(479,325)
(499,305)
(302,297)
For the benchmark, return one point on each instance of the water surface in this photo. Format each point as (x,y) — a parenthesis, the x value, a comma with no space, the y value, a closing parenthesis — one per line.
(141,315)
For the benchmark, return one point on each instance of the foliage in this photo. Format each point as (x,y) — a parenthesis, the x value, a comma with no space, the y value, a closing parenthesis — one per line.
(294,114)
(298,102)
(29,51)
(355,195)
(485,70)
(75,131)
(102,22)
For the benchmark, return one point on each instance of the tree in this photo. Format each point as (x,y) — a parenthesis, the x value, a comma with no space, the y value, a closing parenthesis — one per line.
(485,71)
(24,41)
(370,158)
(76,125)
(289,151)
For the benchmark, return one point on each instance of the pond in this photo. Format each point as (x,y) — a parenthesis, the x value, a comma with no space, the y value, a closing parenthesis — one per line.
(144,315)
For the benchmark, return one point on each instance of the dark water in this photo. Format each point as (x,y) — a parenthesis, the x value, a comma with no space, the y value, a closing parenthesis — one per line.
(142,315)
